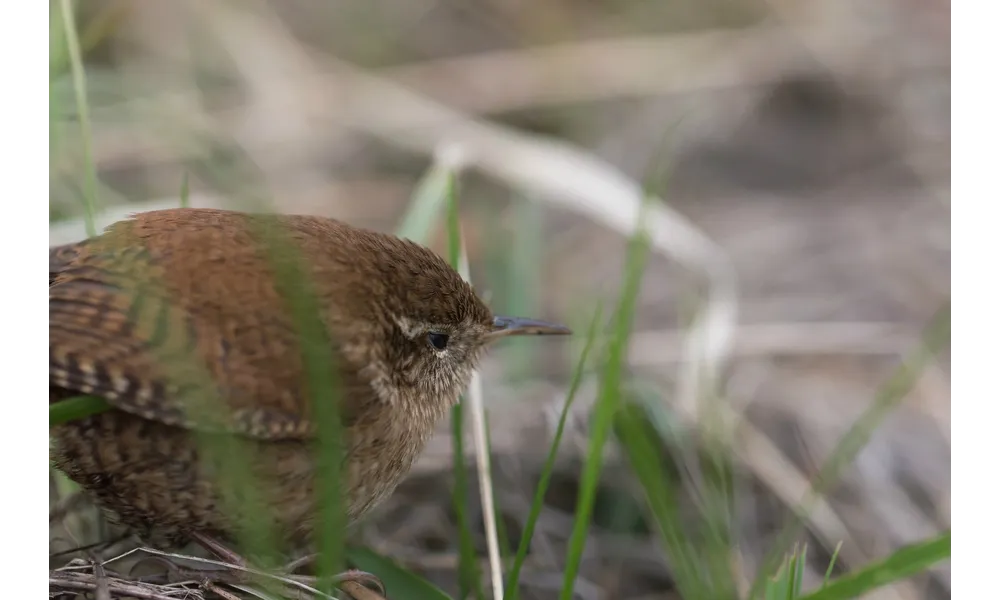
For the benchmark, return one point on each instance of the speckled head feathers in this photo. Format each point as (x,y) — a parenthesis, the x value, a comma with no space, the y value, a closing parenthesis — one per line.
(422,324)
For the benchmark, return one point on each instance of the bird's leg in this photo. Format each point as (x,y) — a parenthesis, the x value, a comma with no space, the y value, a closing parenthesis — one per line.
(362,578)
(300,562)
(358,591)
(218,549)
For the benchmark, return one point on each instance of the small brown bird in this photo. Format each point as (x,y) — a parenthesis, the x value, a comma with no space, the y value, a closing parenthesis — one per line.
(196,287)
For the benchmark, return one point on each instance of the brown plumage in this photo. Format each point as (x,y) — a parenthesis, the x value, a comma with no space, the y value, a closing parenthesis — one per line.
(173,301)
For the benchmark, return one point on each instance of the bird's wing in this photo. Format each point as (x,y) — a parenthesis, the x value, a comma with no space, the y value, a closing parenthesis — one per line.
(123,326)
(60,257)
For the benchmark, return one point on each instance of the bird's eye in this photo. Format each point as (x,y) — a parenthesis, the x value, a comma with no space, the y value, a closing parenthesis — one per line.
(438,341)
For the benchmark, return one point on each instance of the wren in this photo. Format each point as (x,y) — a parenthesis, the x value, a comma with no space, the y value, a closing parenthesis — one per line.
(405,330)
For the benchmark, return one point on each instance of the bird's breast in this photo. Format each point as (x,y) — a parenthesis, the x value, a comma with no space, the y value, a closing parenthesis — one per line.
(378,459)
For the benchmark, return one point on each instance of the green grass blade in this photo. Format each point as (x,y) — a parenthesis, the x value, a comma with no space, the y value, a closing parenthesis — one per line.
(185,191)
(776,586)
(295,284)
(454,226)
(538,502)
(641,446)
(715,525)
(399,582)
(468,564)
(72,409)
(469,575)
(786,584)
(58,53)
(800,572)
(935,337)
(80,89)
(429,200)
(905,562)
(58,57)
(503,539)
(605,409)
(833,564)
(484,470)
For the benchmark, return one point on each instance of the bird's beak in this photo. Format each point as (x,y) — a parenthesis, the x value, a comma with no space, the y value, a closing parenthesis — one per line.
(505,326)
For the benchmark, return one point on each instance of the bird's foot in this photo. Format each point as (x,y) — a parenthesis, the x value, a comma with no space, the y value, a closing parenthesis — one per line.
(220,550)
(360,584)
(352,581)
(298,563)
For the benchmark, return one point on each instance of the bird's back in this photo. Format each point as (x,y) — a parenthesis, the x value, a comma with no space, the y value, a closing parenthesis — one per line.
(173,308)
(181,299)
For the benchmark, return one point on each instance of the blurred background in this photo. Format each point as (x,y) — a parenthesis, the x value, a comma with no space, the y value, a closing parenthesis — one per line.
(807,141)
